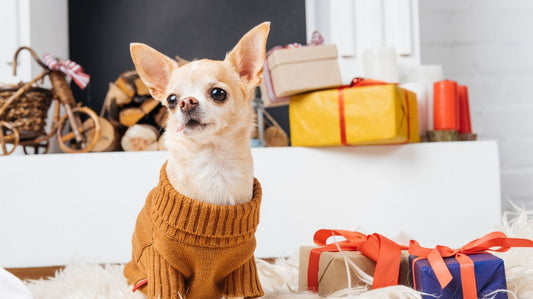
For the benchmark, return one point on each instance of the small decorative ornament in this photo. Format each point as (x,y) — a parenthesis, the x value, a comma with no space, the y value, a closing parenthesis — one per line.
(71,69)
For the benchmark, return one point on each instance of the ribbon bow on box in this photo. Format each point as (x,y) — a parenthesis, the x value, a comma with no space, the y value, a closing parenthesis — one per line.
(495,242)
(71,69)
(385,252)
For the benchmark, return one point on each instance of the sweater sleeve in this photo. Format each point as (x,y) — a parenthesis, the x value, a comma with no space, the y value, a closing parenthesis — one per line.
(163,280)
(244,281)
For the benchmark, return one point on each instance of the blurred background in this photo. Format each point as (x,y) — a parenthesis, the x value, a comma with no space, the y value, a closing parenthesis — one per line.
(482,44)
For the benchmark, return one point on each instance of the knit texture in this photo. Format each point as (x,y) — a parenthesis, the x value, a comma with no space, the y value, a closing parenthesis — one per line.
(191,249)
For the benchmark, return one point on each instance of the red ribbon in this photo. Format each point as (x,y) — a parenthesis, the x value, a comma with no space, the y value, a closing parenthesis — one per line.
(342,117)
(495,241)
(71,69)
(384,252)
(362,82)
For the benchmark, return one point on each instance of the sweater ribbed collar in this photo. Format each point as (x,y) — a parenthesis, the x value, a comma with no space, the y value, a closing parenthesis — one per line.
(178,214)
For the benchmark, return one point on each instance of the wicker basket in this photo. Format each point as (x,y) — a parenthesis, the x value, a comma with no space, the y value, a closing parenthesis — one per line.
(27,113)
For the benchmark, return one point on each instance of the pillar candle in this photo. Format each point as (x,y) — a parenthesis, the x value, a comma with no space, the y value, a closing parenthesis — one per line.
(464,111)
(445,105)
(380,63)
(422,99)
(428,74)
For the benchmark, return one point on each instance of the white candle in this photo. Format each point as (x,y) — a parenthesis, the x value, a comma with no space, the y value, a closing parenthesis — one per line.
(380,63)
(422,99)
(428,74)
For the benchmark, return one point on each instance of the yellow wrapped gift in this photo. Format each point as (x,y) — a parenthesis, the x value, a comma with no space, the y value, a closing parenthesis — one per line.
(370,112)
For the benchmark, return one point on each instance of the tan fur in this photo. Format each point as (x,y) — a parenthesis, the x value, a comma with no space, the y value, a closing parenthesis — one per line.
(211,162)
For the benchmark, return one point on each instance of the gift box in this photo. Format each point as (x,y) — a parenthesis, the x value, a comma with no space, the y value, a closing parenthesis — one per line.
(468,272)
(323,268)
(296,70)
(377,113)
(489,277)
(332,274)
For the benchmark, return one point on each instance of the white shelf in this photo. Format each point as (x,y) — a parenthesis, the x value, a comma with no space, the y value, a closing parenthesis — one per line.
(58,208)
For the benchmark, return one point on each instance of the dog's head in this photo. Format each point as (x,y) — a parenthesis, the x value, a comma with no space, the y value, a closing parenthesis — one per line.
(206,98)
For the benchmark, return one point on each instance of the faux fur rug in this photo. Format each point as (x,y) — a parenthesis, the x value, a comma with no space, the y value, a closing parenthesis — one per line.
(280,280)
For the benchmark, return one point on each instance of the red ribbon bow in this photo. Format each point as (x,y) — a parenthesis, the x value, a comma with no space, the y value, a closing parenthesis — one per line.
(71,69)
(360,82)
(495,241)
(384,252)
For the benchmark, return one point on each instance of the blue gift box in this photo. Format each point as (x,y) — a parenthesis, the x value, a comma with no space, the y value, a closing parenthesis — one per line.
(490,277)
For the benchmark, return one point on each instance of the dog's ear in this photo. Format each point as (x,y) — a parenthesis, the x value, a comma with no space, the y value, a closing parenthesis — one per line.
(153,67)
(248,56)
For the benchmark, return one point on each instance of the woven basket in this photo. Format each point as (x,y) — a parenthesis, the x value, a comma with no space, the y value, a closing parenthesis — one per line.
(27,113)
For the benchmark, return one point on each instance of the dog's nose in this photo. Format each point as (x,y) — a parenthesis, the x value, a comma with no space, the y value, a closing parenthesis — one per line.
(188,104)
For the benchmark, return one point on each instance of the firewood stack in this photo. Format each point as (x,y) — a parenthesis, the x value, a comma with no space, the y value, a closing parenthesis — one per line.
(129,104)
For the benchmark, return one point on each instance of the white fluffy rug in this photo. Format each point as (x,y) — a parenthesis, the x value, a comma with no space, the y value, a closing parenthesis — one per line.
(280,280)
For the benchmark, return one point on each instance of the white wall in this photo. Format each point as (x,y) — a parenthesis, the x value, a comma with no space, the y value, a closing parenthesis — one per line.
(356,25)
(488,45)
(14,31)
(39,24)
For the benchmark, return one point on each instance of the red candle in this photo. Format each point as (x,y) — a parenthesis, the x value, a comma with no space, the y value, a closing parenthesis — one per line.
(464,111)
(445,105)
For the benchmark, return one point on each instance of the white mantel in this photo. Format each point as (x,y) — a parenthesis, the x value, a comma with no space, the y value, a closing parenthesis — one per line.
(58,208)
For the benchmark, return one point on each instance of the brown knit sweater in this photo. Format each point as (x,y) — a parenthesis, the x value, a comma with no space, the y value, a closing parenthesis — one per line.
(198,249)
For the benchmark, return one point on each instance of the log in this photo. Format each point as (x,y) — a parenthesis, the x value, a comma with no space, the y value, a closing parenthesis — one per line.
(130,77)
(140,138)
(141,88)
(116,93)
(109,135)
(112,110)
(275,136)
(161,143)
(125,86)
(149,104)
(131,116)
(161,117)
(138,100)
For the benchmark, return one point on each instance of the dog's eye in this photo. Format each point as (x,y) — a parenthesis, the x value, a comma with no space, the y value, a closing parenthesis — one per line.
(172,101)
(218,94)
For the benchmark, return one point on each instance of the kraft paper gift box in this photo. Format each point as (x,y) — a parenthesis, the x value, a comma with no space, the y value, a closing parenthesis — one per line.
(332,270)
(292,71)
(489,270)
(359,115)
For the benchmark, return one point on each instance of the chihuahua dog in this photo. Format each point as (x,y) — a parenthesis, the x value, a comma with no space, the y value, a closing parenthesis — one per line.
(194,237)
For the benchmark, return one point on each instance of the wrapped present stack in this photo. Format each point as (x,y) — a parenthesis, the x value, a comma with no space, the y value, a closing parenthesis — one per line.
(373,260)
(324,112)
